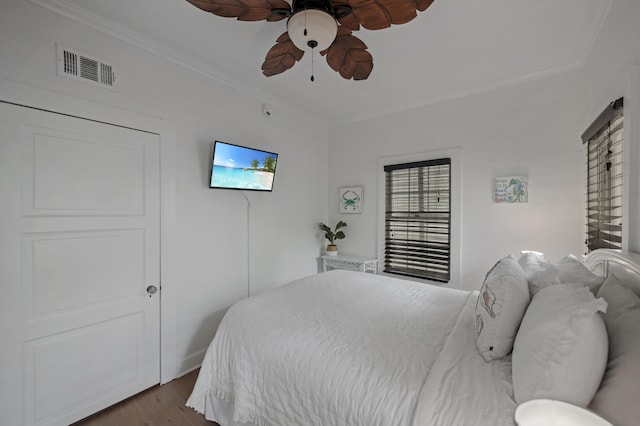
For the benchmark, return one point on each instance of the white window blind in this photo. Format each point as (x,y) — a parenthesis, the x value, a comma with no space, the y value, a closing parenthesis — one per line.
(604,179)
(418,219)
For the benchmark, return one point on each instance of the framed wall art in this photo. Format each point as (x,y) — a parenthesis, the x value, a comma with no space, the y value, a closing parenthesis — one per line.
(351,199)
(511,189)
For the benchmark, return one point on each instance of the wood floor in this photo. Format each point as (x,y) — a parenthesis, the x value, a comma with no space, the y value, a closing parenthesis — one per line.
(160,405)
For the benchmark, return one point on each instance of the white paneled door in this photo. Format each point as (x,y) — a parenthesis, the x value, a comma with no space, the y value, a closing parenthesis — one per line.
(80,265)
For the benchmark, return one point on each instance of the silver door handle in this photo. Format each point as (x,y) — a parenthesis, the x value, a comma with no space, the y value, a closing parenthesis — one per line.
(152,289)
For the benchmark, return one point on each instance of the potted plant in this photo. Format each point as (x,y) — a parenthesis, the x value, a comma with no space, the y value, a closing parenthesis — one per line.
(332,235)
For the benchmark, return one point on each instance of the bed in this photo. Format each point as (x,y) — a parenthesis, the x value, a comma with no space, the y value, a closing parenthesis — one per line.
(350,348)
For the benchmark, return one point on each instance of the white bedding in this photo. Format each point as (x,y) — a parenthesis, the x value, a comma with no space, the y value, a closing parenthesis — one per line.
(348,348)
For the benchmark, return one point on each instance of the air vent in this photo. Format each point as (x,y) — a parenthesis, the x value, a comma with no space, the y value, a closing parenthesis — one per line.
(79,66)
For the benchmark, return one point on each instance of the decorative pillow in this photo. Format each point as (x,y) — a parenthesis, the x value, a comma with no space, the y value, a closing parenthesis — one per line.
(560,351)
(572,270)
(617,398)
(540,273)
(503,298)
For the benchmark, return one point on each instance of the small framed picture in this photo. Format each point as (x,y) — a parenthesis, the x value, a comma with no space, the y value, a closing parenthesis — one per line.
(351,199)
(511,189)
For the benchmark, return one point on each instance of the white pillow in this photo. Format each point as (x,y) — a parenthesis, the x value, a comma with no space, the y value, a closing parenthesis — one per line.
(503,298)
(560,351)
(572,270)
(617,398)
(540,273)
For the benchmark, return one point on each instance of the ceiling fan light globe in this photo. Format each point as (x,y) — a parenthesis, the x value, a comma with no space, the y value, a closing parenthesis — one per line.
(321,28)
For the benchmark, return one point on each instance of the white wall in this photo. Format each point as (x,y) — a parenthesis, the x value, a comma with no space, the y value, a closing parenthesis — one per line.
(532,128)
(211,226)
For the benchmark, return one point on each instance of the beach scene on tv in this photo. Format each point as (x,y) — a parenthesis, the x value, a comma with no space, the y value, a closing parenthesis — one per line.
(242,168)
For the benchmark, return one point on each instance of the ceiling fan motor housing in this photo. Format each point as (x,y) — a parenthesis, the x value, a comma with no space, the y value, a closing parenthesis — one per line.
(324,5)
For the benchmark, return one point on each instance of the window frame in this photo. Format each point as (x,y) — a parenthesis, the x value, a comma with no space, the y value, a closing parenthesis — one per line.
(456,211)
(609,178)
(418,219)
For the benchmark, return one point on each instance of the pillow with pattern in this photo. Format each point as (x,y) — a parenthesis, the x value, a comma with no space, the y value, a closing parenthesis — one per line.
(503,299)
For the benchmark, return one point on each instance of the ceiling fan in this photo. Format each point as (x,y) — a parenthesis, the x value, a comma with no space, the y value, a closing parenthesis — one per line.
(326,25)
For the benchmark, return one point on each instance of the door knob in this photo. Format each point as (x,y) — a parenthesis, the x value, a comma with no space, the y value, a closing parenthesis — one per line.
(152,289)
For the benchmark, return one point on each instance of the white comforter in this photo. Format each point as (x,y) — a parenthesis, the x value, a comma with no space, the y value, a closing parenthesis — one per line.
(348,348)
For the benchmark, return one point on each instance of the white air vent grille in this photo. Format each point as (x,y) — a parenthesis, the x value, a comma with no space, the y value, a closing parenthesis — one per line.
(78,66)
(106,74)
(70,63)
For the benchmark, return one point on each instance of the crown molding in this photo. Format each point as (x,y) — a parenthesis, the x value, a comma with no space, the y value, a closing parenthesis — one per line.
(500,82)
(583,45)
(112,29)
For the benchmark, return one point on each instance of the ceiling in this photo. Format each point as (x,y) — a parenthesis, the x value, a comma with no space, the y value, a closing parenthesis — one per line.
(454,48)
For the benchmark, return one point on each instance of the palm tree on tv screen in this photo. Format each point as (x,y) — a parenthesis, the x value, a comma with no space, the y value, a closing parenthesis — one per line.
(269,163)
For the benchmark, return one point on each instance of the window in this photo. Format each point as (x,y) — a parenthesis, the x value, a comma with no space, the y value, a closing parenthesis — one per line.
(604,179)
(417,226)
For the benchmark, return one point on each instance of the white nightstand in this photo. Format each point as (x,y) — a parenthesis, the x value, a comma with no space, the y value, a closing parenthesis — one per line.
(350,263)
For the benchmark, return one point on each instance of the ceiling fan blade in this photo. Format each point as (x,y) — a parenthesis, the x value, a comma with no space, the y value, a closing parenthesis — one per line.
(379,14)
(282,56)
(244,10)
(348,56)
(422,5)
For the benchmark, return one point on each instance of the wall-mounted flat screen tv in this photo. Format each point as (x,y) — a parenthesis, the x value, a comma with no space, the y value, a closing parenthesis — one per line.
(240,167)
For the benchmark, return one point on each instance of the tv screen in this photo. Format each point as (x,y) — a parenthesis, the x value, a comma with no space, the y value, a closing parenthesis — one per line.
(239,167)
